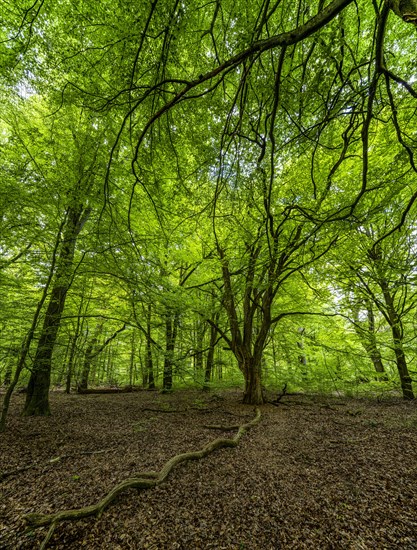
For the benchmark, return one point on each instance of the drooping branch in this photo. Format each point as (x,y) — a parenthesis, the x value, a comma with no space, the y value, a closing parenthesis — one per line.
(143,480)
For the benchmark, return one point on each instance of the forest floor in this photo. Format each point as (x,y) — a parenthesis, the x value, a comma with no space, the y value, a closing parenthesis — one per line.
(315,473)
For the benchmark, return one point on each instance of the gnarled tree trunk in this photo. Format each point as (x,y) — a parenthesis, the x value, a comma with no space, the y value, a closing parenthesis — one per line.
(252,371)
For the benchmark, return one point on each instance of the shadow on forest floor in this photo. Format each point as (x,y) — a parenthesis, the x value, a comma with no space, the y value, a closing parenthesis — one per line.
(316,473)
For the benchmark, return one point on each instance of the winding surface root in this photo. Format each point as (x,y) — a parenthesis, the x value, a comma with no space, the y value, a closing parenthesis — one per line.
(143,480)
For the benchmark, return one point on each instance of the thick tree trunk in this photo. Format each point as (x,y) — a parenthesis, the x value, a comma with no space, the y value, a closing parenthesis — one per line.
(405,378)
(252,371)
(397,337)
(37,397)
(29,337)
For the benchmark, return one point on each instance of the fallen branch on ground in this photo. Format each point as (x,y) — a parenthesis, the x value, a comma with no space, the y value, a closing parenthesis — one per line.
(276,402)
(144,480)
(105,391)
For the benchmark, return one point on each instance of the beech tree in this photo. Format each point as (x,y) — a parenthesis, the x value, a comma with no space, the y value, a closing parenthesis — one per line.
(219,148)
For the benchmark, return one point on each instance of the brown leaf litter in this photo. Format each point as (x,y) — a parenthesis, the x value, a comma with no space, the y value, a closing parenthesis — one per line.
(316,473)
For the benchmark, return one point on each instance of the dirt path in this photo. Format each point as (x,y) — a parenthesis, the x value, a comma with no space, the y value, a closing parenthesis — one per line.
(314,474)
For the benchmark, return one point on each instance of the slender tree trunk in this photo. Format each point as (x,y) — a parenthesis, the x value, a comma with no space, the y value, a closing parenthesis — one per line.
(37,397)
(198,358)
(88,358)
(397,337)
(149,360)
(369,342)
(132,359)
(8,374)
(70,364)
(29,337)
(373,350)
(302,359)
(210,355)
(375,356)
(368,339)
(405,378)
(171,327)
(64,361)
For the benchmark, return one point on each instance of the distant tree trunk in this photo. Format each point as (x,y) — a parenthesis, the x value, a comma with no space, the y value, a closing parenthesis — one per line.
(302,359)
(368,339)
(74,341)
(64,361)
(210,354)
(89,355)
(70,364)
(111,379)
(372,346)
(198,357)
(132,359)
(149,361)
(37,397)
(92,351)
(171,328)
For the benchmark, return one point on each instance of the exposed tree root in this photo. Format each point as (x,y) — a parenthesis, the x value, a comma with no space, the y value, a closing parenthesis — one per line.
(143,480)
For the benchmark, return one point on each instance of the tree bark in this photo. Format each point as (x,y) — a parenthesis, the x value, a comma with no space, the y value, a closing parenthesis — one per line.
(405,378)
(210,354)
(29,337)
(397,337)
(149,361)
(171,327)
(70,364)
(252,371)
(406,9)
(368,340)
(37,397)
(89,355)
